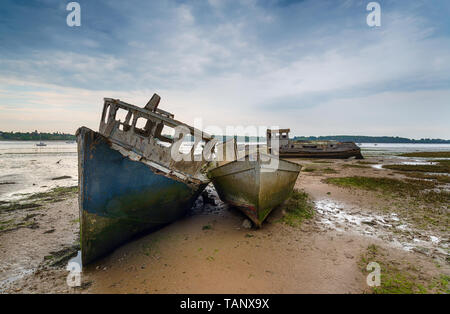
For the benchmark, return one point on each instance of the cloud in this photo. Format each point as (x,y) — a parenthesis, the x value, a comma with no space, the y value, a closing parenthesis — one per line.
(241,62)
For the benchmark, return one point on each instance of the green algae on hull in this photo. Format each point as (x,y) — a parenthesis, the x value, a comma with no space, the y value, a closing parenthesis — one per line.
(255,186)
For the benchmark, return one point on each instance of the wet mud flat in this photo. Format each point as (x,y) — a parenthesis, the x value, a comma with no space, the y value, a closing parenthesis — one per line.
(36,231)
(26,169)
(323,247)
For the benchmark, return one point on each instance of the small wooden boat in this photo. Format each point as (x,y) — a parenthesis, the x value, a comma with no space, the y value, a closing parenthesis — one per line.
(128,182)
(255,183)
(279,143)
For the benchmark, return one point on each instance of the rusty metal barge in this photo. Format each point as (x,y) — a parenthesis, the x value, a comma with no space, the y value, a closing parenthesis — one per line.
(310,149)
(128,181)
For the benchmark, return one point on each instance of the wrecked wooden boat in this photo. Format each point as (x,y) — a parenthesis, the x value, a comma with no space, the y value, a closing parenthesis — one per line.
(129,181)
(253,181)
(310,149)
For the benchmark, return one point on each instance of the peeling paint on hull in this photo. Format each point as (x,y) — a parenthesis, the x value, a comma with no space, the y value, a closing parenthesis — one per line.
(120,198)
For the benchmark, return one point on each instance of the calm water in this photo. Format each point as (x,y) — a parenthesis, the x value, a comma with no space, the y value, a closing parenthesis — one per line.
(26,168)
(370,149)
(407,147)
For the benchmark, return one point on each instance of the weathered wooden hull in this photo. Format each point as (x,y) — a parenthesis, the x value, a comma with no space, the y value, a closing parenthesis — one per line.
(254,186)
(120,198)
(278,143)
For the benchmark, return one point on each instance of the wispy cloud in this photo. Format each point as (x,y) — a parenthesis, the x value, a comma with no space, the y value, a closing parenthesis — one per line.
(313,66)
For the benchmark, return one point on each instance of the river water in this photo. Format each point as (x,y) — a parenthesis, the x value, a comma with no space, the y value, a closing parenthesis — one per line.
(26,168)
(388,149)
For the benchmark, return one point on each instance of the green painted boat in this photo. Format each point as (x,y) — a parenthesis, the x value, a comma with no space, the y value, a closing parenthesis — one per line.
(255,183)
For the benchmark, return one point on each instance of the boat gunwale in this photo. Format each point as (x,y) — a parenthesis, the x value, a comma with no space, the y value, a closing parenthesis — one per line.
(170,121)
(250,168)
(243,159)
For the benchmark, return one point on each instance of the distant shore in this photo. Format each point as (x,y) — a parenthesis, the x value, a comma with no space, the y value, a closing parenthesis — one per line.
(36,136)
(58,140)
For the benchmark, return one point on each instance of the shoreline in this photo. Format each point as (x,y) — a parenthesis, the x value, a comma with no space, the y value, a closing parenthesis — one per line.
(322,254)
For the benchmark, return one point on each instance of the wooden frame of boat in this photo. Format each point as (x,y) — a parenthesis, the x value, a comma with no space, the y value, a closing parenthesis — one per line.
(147,142)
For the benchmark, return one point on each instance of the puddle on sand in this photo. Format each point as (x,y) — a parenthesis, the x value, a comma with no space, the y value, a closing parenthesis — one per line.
(418,163)
(437,173)
(75,264)
(413,163)
(20,273)
(343,218)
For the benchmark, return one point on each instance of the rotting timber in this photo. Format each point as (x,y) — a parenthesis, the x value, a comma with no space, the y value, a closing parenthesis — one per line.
(128,181)
(253,181)
(311,149)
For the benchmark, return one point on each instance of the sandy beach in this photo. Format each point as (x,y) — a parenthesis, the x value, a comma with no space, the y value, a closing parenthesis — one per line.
(209,250)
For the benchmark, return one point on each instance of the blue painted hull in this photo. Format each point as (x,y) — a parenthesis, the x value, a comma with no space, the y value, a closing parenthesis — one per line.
(120,198)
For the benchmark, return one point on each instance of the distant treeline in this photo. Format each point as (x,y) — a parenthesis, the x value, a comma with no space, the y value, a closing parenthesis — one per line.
(35,136)
(372,139)
(346,138)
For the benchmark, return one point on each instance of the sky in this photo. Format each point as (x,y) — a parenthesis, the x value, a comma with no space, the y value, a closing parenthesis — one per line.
(313,66)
